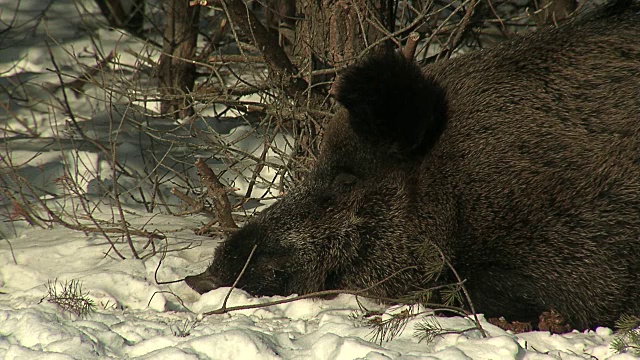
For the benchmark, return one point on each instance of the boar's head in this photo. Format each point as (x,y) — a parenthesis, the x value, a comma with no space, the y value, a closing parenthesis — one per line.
(352,222)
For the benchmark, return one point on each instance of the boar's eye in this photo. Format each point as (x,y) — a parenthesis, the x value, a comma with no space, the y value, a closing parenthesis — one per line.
(341,184)
(344,182)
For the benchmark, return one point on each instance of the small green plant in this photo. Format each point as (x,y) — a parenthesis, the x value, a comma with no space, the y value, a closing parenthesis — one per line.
(70,297)
(387,329)
(428,329)
(627,338)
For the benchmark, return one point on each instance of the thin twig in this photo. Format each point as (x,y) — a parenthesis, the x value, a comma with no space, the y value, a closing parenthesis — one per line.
(463,27)
(307,296)
(244,268)
(13,255)
(464,290)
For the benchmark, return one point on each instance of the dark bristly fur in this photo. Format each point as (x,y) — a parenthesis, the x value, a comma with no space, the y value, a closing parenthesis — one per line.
(522,163)
(389,100)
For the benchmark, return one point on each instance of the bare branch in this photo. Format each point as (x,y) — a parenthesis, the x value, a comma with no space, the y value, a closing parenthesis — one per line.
(218,194)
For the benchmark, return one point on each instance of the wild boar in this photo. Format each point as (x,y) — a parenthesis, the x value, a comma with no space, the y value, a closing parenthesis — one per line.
(521,163)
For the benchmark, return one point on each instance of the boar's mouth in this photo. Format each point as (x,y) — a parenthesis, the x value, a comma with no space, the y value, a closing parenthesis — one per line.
(202,283)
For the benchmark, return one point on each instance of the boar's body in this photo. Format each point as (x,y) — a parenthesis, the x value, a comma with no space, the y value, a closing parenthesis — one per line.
(522,163)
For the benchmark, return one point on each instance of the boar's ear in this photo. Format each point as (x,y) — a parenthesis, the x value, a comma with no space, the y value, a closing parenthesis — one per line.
(390,101)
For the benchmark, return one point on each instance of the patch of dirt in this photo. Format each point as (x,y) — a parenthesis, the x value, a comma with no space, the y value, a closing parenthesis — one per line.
(553,322)
(516,327)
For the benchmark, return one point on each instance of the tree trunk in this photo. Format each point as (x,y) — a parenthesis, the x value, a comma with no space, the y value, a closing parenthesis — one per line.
(176,71)
(333,33)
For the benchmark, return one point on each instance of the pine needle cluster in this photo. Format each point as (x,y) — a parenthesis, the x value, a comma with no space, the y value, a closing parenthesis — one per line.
(69,296)
(627,338)
(387,329)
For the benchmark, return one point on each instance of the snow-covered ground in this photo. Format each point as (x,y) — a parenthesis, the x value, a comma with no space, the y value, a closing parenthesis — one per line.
(135,317)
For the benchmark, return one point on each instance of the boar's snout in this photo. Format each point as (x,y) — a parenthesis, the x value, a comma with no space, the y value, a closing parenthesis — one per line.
(265,270)
(229,259)
(202,283)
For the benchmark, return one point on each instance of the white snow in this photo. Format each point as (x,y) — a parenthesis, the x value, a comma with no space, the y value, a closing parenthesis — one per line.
(135,317)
